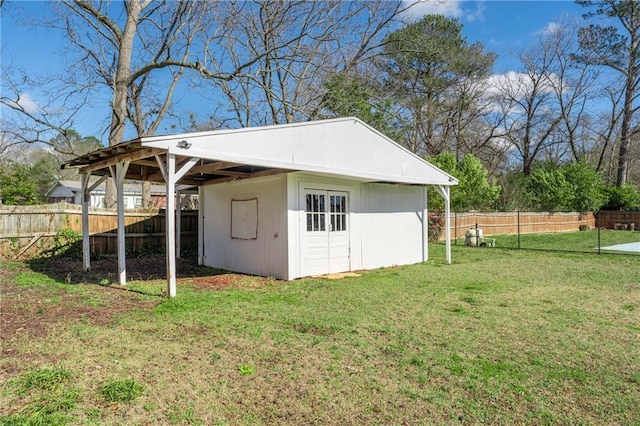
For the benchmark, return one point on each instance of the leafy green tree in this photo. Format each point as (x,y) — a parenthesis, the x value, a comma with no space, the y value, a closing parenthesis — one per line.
(548,189)
(351,95)
(513,196)
(475,191)
(625,197)
(27,174)
(587,187)
(426,64)
(19,185)
(572,187)
(616,47)
(70,143)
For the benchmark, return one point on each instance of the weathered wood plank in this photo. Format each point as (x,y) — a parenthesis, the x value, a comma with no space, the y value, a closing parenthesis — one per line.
(143,229)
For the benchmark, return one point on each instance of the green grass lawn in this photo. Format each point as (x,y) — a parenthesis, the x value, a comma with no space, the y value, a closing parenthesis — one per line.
(498,337)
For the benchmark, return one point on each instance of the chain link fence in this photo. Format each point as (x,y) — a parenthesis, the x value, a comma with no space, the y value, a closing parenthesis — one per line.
(604,232)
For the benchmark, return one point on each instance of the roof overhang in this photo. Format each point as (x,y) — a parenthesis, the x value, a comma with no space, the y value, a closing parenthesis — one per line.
(144,166)
(344,147)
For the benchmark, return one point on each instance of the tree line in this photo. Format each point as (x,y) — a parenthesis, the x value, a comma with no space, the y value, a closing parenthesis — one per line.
(560,129)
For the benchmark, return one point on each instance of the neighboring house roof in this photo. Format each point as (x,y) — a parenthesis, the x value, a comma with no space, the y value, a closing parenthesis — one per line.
(68,188)
(340,147)
(59,189)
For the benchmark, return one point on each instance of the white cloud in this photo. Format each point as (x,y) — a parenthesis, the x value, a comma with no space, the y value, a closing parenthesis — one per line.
(518,84)
(550,29)
(475,15)
(28,103)
(25,102)
(495,84)
(420,8)
(449,8)
(500,90)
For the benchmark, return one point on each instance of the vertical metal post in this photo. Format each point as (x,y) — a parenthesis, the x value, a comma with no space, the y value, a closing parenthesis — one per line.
(598,226)
(518,229)
(455,227)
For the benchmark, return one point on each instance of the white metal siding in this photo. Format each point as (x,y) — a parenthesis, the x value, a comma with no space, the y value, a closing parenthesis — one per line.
(384,225)
(390,218)
(385,222)
(267,254)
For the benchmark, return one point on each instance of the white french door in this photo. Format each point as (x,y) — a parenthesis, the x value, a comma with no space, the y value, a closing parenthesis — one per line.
(325,242)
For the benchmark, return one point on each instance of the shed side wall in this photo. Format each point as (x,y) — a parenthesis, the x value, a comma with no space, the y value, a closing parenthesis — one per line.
(385,222)
(265,255)
(390,218)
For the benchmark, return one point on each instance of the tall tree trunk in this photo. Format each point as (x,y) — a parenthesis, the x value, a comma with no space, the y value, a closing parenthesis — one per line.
(146,195)
(623,153)
(627,116)
(121,84)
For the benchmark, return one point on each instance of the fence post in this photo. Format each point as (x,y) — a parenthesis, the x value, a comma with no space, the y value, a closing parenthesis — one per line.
(598,226)
(518,213)
(455,227)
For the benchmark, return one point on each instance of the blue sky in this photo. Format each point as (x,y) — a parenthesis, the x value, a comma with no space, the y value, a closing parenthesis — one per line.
(504,27)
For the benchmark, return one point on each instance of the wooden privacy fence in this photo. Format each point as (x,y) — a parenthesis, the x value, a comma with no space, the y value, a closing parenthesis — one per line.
(619,220)
(30,231)
(509,223)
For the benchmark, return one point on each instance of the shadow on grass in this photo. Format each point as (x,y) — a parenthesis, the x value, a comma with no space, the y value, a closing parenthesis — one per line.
(66,267)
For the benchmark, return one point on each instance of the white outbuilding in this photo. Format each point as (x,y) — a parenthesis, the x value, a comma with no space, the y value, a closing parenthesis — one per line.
(287,201)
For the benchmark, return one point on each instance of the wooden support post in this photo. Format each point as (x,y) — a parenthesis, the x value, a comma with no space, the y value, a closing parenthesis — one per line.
(86,232)
(118,172)
(200,226)
(86,244)
(171,225)
(171,177)
(178,222)
(425,226)
(445,191)
(447,221)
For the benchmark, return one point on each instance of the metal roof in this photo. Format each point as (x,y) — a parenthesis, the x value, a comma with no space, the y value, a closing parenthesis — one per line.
(344,147)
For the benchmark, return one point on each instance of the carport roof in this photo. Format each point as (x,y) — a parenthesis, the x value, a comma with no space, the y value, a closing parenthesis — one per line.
(344,147)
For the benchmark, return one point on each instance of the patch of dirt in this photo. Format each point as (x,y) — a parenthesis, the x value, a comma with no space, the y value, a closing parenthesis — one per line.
(103,270)
(340,275)
(34,310)
(225,281)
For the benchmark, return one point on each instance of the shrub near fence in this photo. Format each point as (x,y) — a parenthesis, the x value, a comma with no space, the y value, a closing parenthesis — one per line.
(31,231)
